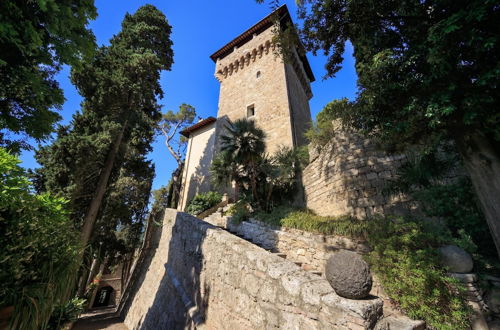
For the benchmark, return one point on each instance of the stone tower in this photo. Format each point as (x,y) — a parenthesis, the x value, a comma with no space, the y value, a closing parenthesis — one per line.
(255,83)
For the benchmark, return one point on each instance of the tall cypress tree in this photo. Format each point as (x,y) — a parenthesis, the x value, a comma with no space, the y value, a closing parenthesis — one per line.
(105,145)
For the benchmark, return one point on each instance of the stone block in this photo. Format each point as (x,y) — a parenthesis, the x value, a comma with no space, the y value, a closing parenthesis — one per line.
(399,323)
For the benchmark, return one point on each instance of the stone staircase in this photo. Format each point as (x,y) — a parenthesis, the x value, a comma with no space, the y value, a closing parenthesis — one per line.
(392,318)
(224,222)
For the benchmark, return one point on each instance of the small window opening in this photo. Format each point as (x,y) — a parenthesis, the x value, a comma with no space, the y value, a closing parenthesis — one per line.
(250,111)
(258,74)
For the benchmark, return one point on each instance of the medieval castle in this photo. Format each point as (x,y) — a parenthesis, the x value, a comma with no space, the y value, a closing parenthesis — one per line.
(197,274)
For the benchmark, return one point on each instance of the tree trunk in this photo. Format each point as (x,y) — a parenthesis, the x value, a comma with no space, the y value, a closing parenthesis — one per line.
(96,263)
(84,273)
(482,162)
(253,183)
(93,293)
(91,215)
(176,185)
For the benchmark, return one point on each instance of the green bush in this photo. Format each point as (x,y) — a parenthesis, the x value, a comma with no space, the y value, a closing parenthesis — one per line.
(404,258)
(239,212)
(202,202)
(423,177)
(39,254)
(323,129)
(66,313)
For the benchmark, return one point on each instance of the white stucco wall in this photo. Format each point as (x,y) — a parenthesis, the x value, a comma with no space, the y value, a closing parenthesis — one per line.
(195,177)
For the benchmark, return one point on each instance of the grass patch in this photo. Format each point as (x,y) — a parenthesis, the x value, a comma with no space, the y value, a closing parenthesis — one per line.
(285,216)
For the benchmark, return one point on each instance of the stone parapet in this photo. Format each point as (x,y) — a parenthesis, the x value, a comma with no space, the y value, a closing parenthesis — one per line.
(311,251)
(202,276)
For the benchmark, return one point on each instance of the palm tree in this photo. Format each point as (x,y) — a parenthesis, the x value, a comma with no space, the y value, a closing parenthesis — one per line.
(243,145)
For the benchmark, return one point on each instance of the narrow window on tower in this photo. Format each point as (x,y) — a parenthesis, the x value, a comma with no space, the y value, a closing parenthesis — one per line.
(250,111)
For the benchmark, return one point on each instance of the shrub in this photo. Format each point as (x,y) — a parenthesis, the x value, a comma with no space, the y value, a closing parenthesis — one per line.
(39,257)
(290,217)
(66,313)
(239,212)
(203,201)
(261,179)
(423,176)
(405,259)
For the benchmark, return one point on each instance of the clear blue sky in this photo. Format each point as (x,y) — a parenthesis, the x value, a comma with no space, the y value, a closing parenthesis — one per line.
(200,28)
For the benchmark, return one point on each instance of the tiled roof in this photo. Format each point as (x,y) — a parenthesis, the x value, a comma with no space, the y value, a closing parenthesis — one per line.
(202,123)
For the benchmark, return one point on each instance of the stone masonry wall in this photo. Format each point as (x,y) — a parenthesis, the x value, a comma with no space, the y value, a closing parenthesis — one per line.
(299,105)
(242,86)
(348,176)
(312,250)
(202,276)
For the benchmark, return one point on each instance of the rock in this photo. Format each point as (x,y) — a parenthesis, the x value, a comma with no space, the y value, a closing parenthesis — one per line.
(493,299)
(399,323)
(464,278)
(456,259)
(349,275)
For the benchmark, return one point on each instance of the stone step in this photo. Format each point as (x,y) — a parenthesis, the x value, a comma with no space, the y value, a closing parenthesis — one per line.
(399,322)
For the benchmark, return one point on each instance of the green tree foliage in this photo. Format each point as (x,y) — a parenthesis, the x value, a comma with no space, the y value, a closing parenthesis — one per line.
(203,201)
(99,162)
(243,145)
(102,152)
(39,250)
(323,129)
(36,38)
(160,199)
(264,180)
(428,71)
(174,122)
(424,177)
(171,124)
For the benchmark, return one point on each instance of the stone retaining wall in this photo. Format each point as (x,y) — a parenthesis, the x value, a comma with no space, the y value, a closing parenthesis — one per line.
(348,175)
(202,276)
(312,249)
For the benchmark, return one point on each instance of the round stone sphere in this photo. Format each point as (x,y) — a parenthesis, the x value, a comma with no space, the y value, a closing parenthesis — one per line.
(455,259)
(349,275)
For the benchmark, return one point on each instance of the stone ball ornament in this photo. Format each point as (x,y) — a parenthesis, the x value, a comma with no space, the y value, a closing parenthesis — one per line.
(349,275)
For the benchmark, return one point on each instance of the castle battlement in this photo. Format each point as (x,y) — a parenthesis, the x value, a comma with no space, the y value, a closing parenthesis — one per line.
(258,85)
